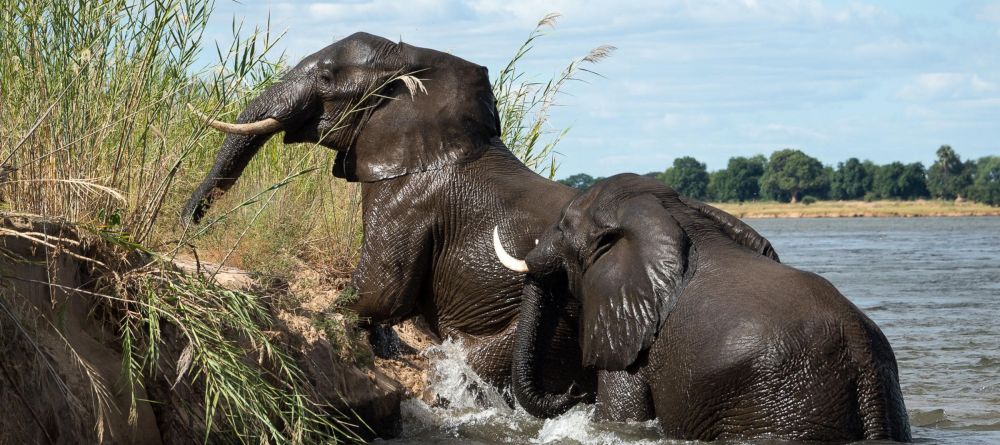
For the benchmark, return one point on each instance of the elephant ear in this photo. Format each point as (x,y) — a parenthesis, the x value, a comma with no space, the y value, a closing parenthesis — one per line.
(628,291)
(446,116)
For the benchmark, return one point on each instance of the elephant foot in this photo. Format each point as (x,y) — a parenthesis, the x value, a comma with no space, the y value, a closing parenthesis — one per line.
(385,343)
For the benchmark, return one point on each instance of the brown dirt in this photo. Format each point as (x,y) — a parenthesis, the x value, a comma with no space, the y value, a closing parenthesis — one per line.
(55,349)
(48,373)
(317,291)
(410,368)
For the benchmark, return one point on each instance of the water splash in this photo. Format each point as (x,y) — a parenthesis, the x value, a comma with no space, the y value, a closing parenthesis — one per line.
(462,403)
(466,408)
(573,425)
(455,385)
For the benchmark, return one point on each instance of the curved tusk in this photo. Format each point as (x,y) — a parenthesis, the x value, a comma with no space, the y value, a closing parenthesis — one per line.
(508,261)
(265,126)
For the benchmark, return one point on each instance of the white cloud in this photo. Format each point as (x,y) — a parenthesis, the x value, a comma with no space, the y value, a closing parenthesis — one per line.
(783,133)
(674,120)
(387,9)
(777,11)
(887,47)
(920,112)
(980,85)
(945,85)
(989,13)
(525,11)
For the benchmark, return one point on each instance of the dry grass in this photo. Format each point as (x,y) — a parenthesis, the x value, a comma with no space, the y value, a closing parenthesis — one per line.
(94,129)
(848,209)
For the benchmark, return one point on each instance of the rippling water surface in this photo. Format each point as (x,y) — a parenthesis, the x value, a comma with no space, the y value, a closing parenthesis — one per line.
(931,284)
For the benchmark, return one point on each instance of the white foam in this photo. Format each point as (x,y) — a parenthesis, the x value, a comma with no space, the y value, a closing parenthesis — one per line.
(467,407)
(572,425)
(577,426)
(461,398)
(454,382)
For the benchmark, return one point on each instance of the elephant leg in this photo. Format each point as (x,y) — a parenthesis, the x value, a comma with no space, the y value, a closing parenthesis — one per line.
(490,358)
(623,396)
(385,343)
(390,274)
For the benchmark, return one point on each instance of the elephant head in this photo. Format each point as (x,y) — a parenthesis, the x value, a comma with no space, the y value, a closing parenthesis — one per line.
(620,252)
(389,109)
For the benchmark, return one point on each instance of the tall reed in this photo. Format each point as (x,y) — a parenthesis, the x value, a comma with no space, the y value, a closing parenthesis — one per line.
(524,104)
(94,129)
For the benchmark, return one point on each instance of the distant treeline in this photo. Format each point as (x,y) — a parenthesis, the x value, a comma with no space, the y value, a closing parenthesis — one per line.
(790,176)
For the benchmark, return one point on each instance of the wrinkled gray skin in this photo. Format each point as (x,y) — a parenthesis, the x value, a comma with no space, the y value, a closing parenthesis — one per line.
(690,318)
(435,179)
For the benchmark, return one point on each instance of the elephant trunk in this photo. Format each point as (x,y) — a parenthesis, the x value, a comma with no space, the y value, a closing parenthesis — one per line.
(278,106)
(233,157)
(526,364)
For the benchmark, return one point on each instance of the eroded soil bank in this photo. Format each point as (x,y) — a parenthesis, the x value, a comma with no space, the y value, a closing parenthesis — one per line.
(61,351)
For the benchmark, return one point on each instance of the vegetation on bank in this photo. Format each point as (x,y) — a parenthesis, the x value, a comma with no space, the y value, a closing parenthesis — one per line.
(848,209)
(94,130)
(792,176)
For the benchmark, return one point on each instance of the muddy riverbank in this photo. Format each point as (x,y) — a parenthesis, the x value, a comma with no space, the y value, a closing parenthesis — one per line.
(66,294)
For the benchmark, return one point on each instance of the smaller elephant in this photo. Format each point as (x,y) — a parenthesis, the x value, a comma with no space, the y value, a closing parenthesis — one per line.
(689,317)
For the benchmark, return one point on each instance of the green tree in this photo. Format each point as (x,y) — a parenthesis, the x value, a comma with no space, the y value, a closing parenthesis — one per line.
(688,176)
(739,181)
(986,184)
(822,190)
(716,191)
(899,181)
(852,179)
(913,181)
(580,181)
(790,173)
(949,177)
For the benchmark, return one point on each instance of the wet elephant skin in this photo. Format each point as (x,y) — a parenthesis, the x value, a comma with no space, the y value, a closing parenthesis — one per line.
(690,318)
(435,180)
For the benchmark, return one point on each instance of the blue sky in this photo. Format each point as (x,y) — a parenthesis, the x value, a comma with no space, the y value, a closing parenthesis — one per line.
(886,80)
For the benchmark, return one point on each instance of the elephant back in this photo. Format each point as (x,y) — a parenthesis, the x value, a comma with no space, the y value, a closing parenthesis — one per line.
(734,228)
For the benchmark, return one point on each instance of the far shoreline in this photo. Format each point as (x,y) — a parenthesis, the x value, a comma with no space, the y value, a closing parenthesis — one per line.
(857,209)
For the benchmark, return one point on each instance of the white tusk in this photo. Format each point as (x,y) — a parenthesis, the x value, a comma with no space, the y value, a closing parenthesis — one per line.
(508,261)
(265,126)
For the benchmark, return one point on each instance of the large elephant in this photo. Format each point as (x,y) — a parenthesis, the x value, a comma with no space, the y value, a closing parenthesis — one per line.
(435,177)
(689,317)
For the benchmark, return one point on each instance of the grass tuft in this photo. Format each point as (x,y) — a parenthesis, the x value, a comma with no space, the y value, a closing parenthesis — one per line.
(251,387)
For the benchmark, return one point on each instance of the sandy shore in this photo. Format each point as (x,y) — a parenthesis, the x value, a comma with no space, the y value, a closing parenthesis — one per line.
(854,209)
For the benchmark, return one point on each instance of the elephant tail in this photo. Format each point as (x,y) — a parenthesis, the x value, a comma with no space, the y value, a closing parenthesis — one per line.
(880,400)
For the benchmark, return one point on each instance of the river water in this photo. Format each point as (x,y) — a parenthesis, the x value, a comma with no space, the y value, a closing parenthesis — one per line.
(931,284)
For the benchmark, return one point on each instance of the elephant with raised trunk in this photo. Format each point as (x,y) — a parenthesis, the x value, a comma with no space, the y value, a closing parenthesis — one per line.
(419,129)
(690,318)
